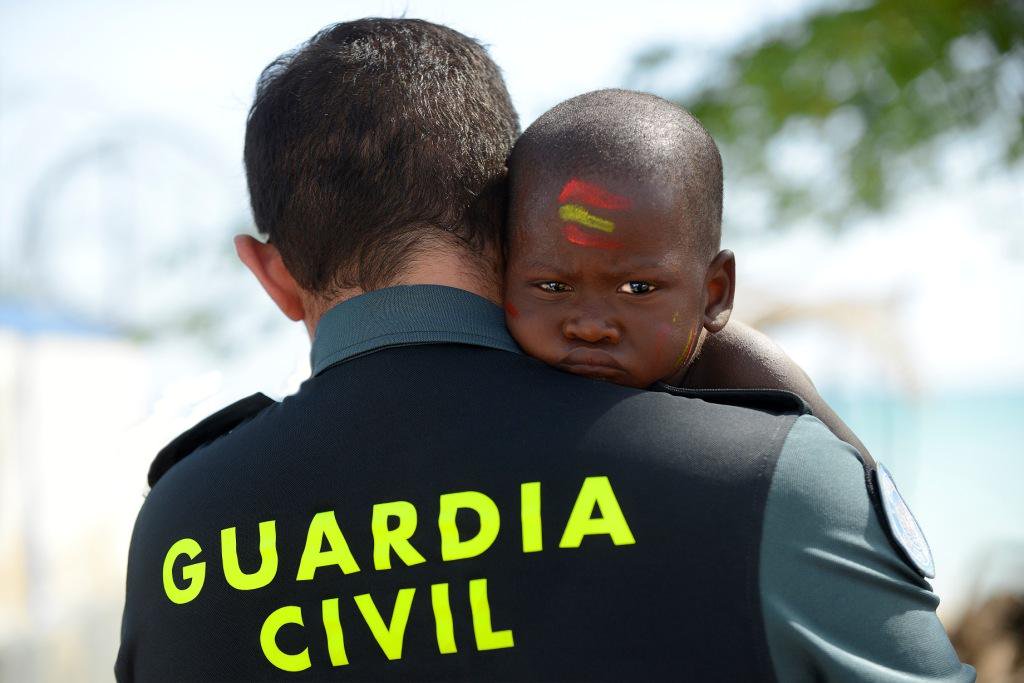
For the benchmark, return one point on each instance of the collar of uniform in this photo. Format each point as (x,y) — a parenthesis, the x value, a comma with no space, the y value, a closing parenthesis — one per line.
(406,315)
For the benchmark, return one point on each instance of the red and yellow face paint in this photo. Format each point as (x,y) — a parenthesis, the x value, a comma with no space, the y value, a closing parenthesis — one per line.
(686,352)
(576,199)
(690,338)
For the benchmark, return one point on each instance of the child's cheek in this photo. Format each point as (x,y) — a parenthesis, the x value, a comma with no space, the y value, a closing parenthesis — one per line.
(534,334)
(662,335)
(514,320)
(519,323)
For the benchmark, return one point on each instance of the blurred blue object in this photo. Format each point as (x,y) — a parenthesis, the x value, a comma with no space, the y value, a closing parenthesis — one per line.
(30,321)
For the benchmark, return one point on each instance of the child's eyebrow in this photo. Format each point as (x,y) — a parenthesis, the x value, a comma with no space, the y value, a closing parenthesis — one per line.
(620,271)
(541,265)
(641,267)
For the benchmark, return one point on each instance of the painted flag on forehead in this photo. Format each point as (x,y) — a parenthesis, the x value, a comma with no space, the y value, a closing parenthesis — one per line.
(575,201)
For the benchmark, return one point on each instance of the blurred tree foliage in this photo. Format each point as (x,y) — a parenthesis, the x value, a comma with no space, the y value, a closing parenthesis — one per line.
(877,87)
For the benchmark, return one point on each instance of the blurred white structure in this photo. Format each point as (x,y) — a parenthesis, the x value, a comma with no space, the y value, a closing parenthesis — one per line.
(68,492)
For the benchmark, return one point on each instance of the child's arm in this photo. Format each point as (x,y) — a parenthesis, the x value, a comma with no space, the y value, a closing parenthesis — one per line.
(740,357)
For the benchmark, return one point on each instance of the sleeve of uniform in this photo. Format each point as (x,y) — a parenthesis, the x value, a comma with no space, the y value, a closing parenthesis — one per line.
(839,603)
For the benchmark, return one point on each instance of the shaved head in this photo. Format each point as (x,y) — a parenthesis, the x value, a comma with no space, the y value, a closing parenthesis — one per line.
(627,134)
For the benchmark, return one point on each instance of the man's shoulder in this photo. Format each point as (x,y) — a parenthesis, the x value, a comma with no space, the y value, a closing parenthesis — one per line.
(818,472)
(206,431)
(840,550)
(825,487)
(729,415)
(732,431)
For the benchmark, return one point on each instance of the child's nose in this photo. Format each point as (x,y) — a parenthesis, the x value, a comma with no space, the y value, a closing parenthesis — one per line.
(590,329)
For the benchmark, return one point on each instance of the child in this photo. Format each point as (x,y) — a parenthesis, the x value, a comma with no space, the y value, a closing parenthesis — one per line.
(614,270)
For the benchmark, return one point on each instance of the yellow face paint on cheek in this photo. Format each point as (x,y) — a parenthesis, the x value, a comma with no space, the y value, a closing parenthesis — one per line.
(686,352)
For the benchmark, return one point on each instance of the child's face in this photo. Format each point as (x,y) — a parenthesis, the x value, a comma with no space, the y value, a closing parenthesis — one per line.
(603,281)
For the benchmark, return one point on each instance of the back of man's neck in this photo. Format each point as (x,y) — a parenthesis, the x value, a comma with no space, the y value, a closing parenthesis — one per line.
(441,267)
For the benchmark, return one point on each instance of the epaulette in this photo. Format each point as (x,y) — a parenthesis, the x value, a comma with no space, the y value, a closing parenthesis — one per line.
(218,424)
(770,400)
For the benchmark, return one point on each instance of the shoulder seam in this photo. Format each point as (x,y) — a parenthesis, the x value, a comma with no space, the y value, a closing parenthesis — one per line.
(765,475)
(206,431)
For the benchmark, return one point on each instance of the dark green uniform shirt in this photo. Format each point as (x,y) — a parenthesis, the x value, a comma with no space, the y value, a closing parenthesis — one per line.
(838,601)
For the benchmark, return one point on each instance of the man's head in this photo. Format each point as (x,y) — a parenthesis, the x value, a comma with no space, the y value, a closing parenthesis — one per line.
(614,268)
(370,146)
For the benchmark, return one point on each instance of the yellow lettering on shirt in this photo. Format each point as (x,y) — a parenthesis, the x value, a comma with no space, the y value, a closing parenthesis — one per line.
(443,618)
(194,574)
(236,578)
(389,636)
(596,492)
(452,547)
(529,514)
(595,511)
(386,539)
(324,527)
(486,637)
(289,614)
(335,636)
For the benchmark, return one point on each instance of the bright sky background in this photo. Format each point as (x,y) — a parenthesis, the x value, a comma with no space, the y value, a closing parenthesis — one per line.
(198,61)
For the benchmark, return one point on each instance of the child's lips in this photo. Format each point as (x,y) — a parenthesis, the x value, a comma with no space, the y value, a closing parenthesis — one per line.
(592,363)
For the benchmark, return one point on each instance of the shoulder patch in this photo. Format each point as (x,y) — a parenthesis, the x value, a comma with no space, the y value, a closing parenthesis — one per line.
(902,526)
(218,424)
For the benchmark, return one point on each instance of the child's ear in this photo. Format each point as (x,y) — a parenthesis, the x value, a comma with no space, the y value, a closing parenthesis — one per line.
(719,288)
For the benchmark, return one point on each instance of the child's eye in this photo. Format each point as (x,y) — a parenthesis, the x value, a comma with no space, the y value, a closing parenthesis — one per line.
(554,287)
(637,287)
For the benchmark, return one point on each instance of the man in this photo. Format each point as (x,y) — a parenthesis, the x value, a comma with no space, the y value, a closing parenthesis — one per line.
(432,504)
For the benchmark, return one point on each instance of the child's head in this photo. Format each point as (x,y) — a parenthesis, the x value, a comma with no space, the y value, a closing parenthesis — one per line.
(614,269)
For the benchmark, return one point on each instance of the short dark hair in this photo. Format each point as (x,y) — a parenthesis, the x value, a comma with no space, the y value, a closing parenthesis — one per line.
(369,140)
(631,133)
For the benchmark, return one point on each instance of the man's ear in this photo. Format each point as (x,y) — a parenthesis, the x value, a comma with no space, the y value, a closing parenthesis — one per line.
(264,260)
(719,288)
